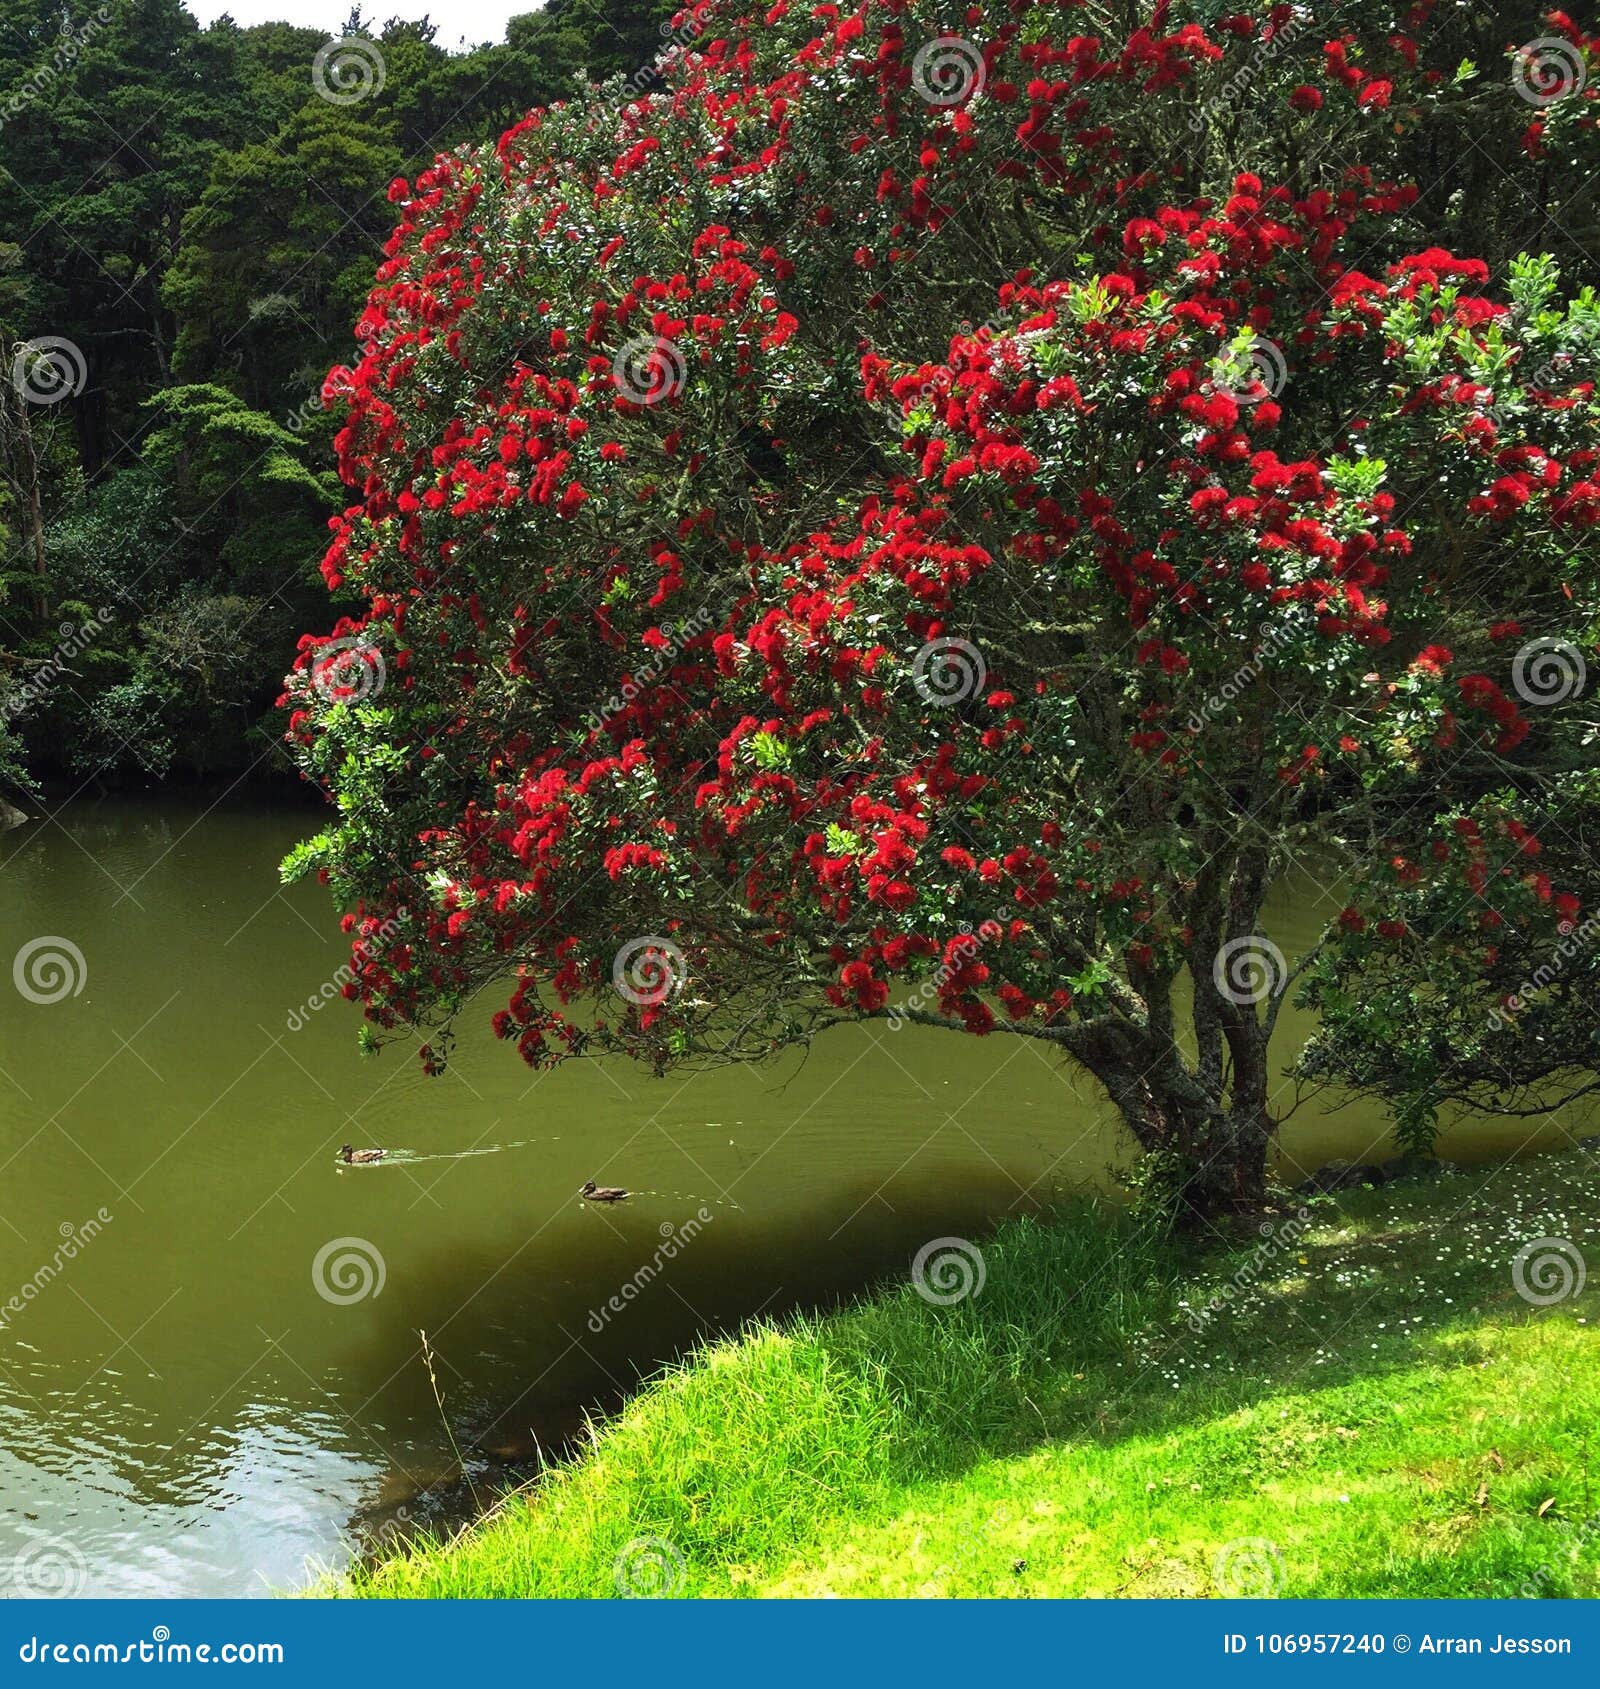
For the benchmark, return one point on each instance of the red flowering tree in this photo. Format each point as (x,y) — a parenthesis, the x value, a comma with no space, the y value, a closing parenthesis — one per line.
(935,513)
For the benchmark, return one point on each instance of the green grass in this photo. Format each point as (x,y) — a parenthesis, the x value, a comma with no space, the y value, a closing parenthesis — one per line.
(1371,1410)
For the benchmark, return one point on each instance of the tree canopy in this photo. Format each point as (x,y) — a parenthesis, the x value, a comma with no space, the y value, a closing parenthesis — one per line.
(935,516)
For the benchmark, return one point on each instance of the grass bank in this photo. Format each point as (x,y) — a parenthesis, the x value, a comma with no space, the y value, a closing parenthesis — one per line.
(1361,1403)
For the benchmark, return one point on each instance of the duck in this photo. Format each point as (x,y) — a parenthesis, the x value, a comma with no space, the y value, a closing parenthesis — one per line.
(592,1192)
(360,1157)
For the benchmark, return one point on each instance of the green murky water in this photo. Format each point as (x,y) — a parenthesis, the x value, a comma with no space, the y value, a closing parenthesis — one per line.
(209,1352)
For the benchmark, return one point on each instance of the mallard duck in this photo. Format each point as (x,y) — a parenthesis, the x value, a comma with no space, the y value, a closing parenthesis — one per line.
(592,1192)
(360,1157)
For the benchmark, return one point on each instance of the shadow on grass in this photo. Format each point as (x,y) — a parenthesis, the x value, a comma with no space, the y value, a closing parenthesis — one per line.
(756,1449)
(1371,1299)
(1036,1355)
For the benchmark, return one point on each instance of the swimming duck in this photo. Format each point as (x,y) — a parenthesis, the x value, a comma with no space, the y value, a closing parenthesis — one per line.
(592,1192)
(359,1157)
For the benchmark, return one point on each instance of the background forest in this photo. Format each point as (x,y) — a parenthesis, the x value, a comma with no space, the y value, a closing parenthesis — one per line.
(191,219)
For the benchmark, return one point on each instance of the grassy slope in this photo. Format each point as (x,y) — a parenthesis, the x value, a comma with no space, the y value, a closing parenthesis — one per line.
(1374,1411)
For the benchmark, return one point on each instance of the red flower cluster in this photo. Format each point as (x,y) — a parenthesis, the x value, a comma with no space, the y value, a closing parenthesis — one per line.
(985,618)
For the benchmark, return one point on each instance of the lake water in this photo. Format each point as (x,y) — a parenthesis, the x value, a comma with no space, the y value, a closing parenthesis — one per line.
(202,1381)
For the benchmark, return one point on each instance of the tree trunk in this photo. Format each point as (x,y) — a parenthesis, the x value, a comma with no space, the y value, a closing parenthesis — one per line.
(30,459)
(25,482)
(1215,1152)
(1228,1174)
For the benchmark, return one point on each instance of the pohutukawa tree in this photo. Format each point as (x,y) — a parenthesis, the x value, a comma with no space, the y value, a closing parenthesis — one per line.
(938,511)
